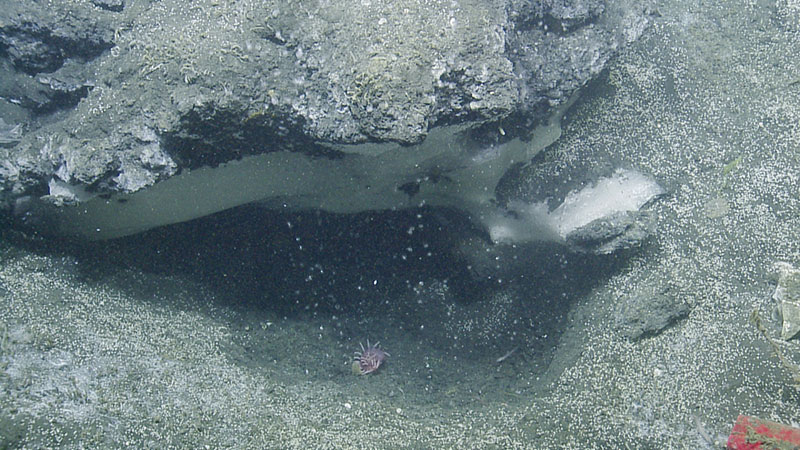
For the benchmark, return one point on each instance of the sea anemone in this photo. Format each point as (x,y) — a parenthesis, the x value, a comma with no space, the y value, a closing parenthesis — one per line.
(369,358)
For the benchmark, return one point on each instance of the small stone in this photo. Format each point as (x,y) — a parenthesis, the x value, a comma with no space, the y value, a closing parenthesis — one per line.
(648,312)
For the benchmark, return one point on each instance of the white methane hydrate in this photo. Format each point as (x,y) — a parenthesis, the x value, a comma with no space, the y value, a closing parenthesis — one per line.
(625,190)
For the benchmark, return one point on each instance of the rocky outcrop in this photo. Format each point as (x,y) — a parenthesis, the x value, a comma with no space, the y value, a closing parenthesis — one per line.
(117,97)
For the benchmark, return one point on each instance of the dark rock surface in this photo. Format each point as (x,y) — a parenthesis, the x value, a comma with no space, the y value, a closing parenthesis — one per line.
(644,314)
(618,231)
(38,38)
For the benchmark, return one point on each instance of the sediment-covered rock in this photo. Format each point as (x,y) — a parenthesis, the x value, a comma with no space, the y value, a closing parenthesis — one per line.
(117,97)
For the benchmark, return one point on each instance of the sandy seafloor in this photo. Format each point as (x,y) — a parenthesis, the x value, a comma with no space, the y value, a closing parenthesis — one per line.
(120,347)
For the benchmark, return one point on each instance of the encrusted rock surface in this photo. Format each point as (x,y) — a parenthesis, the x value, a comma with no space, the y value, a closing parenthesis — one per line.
(116,96)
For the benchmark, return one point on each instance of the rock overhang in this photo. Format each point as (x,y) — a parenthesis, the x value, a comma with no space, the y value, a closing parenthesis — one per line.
(371,112)
(437,172)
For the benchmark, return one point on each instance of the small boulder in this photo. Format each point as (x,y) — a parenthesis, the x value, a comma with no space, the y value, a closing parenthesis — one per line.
(647,314)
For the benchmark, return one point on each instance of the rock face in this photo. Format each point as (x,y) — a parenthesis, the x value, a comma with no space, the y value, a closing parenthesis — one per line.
(109,98)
